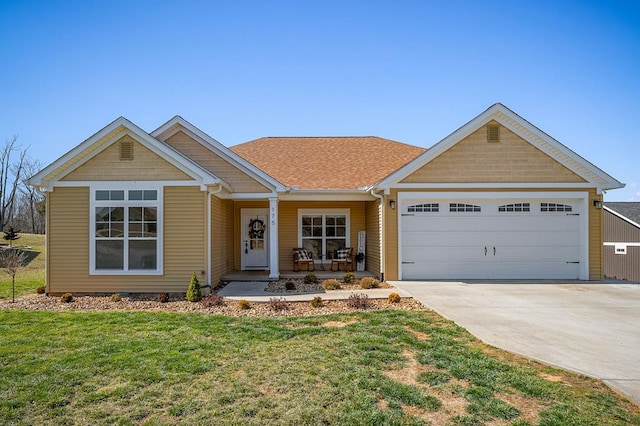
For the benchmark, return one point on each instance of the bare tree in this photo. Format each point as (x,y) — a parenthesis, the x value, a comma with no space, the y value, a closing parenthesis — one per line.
(31,204)
(10,178)
(12,261)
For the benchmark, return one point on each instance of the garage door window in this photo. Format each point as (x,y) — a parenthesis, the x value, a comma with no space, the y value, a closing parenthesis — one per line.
(424,208)
(554,207)
(464,208)
(517,207)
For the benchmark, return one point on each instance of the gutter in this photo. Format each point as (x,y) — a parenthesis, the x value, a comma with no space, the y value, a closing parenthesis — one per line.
(383,236)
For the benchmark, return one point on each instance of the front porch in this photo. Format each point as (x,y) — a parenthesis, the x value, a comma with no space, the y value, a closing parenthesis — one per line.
(264,275)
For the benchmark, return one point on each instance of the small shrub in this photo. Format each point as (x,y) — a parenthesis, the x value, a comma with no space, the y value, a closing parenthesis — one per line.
(331,284)
(194,293)
(317,302)
(214,299)
(66,298)
(41,289)
(163,297)
(393,298)
(244,304)
(358,301)
(115,297)
(278,304)
(290,286)
(369,282)
(349,278)
(310,278)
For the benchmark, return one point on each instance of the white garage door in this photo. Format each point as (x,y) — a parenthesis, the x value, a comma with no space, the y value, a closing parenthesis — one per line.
(490,239)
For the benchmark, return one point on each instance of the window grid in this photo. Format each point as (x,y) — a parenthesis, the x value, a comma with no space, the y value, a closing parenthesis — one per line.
(424,208)
(517,207)
(463,208)
(554,207)
(126,231)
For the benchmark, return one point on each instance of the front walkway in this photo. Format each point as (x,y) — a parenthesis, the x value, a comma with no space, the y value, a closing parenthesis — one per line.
(254,292)
(586,327)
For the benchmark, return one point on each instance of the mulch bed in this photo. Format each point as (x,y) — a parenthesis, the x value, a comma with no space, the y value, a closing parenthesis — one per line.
(147,303)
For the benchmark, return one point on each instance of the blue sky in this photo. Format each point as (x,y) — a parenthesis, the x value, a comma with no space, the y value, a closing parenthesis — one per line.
(412,71)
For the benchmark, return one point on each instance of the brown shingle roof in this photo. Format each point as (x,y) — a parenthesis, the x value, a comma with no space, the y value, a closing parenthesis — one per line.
(346,162)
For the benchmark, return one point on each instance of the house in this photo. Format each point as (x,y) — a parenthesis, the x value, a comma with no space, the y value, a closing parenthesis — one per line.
(622,241)
(129,210)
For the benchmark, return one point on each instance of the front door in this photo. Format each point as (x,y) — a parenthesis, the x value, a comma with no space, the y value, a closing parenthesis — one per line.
(255,239)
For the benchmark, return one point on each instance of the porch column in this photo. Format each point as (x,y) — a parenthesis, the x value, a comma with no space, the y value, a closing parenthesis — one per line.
(274,271)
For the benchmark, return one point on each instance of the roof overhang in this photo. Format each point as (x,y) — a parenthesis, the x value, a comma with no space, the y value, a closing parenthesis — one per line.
(521,127)
(51,175)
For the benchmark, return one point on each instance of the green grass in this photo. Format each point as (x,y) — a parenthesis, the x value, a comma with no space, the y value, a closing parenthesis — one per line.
(32,275)
(166,368)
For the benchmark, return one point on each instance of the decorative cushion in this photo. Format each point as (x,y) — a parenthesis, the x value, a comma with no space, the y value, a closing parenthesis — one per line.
(303,255)
(342,254)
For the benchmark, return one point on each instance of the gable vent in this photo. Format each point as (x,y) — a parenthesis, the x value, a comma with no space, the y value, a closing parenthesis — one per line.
(126,150)
(493,133)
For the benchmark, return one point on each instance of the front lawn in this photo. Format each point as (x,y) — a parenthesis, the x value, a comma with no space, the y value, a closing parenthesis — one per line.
(382,367)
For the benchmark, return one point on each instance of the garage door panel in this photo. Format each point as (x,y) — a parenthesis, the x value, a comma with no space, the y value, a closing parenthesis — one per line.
(441,270)
(534,238)
(442,239)
(536,270)
(442,223)
(443,254)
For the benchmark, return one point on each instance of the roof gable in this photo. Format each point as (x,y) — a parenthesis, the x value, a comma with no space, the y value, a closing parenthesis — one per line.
(473,160)
(55,172)
(178,124)
(327,163)
(520,127)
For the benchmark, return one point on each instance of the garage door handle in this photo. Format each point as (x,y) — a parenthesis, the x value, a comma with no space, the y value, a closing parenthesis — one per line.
(494,251)
(485,250)
(408,263)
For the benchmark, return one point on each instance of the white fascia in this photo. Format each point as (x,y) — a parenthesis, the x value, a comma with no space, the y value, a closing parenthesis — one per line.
(326,195)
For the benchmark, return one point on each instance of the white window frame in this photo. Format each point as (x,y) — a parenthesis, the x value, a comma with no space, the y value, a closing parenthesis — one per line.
(324,213)
(126,203)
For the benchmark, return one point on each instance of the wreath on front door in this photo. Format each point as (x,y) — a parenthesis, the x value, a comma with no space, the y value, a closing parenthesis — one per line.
(256,229)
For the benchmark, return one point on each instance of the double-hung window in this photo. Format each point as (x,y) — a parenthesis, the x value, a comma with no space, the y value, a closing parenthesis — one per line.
(126,231)
(323,231)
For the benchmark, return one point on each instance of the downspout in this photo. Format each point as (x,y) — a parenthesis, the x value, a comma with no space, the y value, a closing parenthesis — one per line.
(383,236)
(208,245)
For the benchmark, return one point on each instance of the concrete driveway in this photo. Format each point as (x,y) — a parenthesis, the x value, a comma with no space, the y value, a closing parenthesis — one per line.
(593,329)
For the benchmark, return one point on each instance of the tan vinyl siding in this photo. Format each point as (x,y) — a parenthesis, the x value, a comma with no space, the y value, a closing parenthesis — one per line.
(222,246)
(68,240)
(239,181)
(596,235)
(145,165)
(474,160)
(373,228)
(288,221)
(594,243)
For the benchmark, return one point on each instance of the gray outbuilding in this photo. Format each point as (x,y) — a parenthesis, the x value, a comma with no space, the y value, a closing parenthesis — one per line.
(622,241)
